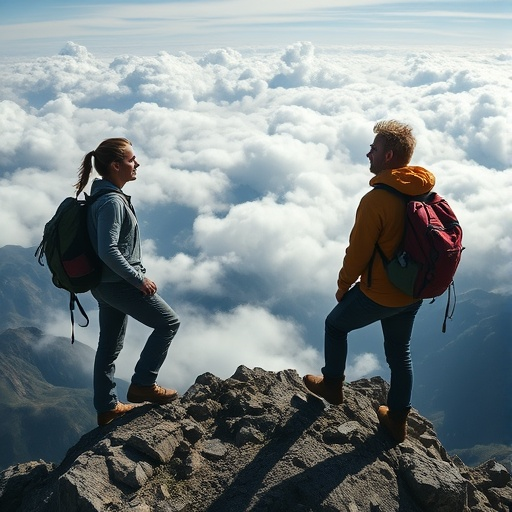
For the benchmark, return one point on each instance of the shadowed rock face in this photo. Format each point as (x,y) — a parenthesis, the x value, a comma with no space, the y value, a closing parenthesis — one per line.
(257,441)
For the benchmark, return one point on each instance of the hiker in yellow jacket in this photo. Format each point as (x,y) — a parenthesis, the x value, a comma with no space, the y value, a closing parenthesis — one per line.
(380,218)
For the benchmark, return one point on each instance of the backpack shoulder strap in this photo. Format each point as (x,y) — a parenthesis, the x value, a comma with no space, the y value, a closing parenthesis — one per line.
(90,199)
(406,198)
(93,197)
(389,188)
(424,198)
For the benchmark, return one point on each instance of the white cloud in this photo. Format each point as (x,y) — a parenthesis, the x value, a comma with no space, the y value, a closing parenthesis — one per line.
(264,152)
(221,341)
(364,365)
(285,244)
(184,273)
(215,342)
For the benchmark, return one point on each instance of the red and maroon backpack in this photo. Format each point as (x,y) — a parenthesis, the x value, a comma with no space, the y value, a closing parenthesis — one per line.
(428,255)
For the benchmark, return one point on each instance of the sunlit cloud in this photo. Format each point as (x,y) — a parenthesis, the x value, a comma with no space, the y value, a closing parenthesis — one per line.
(252,167)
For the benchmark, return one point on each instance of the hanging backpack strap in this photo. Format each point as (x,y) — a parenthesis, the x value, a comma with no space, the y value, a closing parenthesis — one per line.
(73,299)
(448,315)
(382,255)
(372,259)
(370,267)
(377,247)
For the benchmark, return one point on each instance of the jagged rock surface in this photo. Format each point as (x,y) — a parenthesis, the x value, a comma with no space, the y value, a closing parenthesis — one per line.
(257,441)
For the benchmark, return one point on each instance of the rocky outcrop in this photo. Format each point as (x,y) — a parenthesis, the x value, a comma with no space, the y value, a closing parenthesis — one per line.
(257,441)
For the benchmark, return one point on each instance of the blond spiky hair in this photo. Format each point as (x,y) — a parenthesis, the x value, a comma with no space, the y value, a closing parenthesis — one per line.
(399,139)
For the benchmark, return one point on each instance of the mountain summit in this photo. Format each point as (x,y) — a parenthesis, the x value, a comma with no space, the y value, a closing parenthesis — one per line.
(258,441)
(465,369)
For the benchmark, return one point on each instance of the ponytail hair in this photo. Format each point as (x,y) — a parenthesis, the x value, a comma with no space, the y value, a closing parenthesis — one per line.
(110,150)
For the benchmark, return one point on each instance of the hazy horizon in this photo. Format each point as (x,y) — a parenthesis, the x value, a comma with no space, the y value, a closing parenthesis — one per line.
(31,28)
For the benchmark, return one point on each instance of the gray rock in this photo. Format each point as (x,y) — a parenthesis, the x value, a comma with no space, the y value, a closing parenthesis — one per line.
(214,449)
(258,441)
(437,485)
(158,443)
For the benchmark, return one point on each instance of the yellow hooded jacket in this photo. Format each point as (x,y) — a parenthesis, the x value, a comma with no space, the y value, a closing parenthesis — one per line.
(380,217)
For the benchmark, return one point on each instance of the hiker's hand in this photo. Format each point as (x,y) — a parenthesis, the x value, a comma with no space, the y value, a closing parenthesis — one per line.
(148,287)
(339,295)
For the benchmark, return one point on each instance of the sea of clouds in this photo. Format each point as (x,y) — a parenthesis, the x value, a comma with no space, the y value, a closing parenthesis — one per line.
(251,167)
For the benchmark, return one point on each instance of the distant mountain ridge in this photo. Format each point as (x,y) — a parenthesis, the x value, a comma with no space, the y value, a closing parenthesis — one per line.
(462,378)
(466,374)
(23,288)
(45,395)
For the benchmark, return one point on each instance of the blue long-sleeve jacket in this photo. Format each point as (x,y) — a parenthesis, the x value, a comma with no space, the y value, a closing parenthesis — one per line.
(114,234)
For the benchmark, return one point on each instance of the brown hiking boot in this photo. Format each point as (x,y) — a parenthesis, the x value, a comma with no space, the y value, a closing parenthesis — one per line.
(155,394)
(329,389)
(395,423)
(104,418)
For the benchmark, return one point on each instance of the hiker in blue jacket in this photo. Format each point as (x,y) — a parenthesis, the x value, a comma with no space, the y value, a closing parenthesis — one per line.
(124,289)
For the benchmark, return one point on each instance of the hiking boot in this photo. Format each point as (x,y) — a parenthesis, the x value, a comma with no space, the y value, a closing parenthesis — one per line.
(155,394)
(104,418)
(394,422)
(329,389)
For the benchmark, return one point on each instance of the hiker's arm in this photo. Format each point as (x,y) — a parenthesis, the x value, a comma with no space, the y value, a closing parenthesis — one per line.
(364,235)
(110,223)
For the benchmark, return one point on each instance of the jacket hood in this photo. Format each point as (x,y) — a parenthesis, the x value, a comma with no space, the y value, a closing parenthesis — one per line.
(410,180)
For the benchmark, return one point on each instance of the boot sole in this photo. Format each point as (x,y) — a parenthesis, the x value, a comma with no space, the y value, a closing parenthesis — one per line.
(140,400)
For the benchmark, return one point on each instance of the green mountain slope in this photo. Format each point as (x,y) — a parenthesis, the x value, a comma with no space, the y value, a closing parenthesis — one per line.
(45,396)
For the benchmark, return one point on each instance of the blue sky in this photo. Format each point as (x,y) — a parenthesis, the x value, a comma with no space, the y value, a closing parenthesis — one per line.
(33,28)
